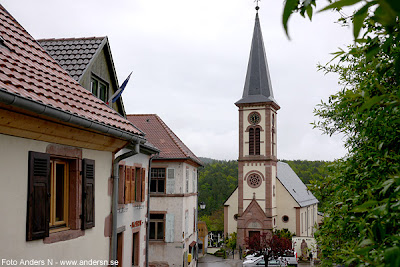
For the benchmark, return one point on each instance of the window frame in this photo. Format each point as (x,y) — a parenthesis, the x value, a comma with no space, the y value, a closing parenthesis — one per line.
(53,223)
(157,179)
(94,79)
(156,223)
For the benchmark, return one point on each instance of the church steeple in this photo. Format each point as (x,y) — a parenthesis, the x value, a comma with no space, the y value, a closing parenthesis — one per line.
(257,87)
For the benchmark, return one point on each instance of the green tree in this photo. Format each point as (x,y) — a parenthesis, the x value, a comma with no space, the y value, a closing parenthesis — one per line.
(362,192)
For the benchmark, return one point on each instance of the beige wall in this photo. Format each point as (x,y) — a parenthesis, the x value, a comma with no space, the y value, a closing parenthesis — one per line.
(13,196)
(286,206)
(231,208)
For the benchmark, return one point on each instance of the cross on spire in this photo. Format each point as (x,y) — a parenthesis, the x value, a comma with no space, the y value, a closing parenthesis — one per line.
(257,7)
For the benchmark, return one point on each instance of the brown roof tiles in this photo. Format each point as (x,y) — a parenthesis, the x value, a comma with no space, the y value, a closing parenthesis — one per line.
(160,135)
(28,71)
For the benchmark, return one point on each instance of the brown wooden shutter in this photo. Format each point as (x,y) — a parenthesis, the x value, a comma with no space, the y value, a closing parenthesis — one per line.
(143,184)
(138,185)
(38,210)
(88,194)
(133,193)
(121,184)
(128,175)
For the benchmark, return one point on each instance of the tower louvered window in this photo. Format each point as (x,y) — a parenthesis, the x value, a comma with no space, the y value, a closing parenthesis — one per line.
(254,141)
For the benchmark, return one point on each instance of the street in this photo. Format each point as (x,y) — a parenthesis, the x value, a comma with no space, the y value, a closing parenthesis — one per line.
(212,261)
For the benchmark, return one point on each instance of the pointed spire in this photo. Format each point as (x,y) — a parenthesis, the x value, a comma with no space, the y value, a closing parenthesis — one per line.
(257,87)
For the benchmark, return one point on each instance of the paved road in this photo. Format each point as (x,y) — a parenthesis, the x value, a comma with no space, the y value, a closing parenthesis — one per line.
(212,261)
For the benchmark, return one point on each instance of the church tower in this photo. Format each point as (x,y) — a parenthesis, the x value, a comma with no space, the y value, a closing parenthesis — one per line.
(257,146)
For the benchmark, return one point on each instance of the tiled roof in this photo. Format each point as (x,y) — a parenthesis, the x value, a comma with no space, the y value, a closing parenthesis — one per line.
(28,71)
(73,54)
(160,135)
(294,185)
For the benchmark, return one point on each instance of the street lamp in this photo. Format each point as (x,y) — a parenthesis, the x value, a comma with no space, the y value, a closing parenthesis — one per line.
(202,205)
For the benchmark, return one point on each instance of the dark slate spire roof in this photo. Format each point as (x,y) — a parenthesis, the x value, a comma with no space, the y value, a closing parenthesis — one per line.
(257,87)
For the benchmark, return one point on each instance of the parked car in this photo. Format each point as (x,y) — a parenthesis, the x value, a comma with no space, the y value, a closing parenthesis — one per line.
(258,262)
(290,258)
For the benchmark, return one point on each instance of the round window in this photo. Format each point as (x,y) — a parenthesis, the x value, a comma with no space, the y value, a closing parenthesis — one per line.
(285,218)
(254,180)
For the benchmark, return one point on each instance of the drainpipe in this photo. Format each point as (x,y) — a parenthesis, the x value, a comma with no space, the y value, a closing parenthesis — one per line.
(148,211)
(115,199)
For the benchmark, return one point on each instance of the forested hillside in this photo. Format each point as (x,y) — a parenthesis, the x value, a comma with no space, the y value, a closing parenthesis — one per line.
(218,179)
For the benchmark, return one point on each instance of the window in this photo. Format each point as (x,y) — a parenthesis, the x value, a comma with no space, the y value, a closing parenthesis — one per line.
(285,218)
(254,141)
(59,192)
(51,181)
(99,89)
(135,249)
(157,184)
(186,224)
(156,227)
(187,180)
(194,181)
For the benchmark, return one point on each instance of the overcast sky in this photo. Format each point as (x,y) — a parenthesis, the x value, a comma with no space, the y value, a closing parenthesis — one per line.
(189,61)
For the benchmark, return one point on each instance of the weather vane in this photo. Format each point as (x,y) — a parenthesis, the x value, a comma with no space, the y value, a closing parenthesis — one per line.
(257,7)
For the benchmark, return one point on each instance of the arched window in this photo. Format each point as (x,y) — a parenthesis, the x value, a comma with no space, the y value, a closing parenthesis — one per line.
(254,141)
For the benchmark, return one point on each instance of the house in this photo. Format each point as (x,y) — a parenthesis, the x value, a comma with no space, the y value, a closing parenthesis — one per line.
(62,148)
(269,195)
(203,237)
(89,61)
(173,195)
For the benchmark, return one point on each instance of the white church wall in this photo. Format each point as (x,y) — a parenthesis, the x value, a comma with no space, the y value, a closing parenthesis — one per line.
(231,208)
(285,207)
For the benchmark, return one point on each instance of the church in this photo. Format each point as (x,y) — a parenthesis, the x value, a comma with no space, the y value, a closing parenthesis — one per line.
(269,195)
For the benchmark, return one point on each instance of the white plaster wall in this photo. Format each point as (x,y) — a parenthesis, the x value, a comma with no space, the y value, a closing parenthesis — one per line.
(307,228)
(233,208)
(177,205)
(13,196)
(285,206)
(133,212)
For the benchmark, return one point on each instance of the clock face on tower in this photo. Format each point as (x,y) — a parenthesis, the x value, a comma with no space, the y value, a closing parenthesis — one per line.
(254,118)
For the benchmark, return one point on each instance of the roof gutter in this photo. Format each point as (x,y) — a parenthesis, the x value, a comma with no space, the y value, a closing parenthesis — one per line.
(15,100)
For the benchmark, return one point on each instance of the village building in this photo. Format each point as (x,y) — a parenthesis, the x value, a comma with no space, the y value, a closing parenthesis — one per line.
(62,148)
(269,195)
(89,61)
(173,195)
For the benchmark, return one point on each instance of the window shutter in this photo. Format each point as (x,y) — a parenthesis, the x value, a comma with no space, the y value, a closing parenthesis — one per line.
(169,227)
(170,181)
(138,177)
(143,185)
(88,193)
(121,185)
(128,175)
(133,186)
(38,210)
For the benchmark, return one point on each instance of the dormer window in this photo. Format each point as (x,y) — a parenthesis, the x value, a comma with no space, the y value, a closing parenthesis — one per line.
(99,89)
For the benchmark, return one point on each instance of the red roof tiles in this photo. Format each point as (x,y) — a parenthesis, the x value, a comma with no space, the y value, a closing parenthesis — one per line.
(161,136)
(28,71)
